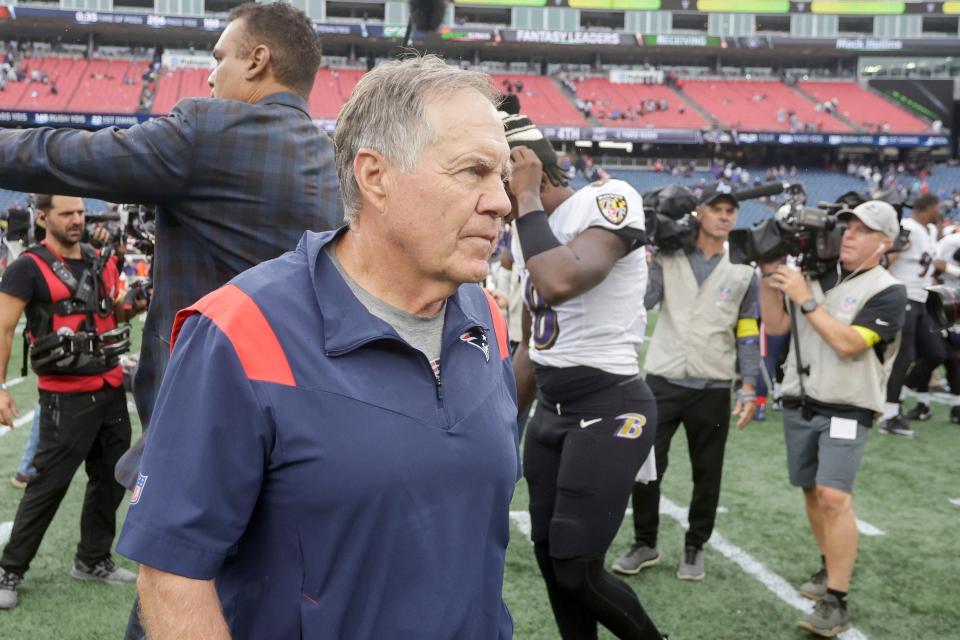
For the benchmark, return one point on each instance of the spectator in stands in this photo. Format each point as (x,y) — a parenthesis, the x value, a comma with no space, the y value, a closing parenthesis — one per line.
(237,179)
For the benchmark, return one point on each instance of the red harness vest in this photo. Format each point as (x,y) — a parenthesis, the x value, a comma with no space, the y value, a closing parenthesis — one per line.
(65,383)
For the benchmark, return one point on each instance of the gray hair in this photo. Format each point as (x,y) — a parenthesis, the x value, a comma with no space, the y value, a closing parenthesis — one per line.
(386,113)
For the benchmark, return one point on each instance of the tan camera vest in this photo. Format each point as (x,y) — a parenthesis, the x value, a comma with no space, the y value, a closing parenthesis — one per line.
(859,381)
(695,334)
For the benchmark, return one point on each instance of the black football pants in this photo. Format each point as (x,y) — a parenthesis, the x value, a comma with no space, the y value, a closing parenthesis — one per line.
(91,428)
(705,414)
(580,465)
(921,340)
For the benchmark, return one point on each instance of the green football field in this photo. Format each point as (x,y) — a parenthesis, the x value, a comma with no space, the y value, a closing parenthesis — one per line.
(904,586)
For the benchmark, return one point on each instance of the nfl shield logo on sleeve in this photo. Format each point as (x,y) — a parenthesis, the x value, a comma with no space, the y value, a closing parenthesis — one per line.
(138,490)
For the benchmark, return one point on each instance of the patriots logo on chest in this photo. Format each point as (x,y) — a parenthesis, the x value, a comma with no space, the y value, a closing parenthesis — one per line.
(613,206)
(478,339)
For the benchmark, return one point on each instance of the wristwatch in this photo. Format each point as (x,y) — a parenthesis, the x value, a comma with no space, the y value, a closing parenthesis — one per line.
(809,306)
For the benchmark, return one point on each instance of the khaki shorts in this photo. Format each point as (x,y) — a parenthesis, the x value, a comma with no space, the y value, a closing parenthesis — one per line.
(813,457)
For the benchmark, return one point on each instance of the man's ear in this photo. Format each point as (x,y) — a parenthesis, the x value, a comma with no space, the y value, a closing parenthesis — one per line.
(257,62)
(370,171)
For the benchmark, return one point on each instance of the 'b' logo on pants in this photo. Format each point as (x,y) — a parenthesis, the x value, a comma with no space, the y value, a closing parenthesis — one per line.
(632,427)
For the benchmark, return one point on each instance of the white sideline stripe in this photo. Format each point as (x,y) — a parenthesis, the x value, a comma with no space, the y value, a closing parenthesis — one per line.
(521,520)
(5,529)
(940,397)
(753,567)
(868,529)
(26,418)
(954,501)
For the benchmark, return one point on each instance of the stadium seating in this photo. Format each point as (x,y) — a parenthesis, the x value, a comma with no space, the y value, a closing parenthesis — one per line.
(103,90)
(864,107)
(753,105)
(543,101)
(608,96)
(10,97)
(331,90)
(66,73)
(174,85)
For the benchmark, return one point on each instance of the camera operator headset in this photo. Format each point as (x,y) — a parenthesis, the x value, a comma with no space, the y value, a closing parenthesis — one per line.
(913,266)
(708,321)
(846,325)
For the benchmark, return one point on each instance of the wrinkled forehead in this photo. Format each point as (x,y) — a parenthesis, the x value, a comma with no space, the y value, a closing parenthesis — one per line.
(466,122)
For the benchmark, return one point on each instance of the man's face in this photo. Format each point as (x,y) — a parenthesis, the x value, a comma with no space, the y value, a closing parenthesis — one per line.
(718,218)
(64,221)
(930,215)
(860,243)
(446,212)
(226,80)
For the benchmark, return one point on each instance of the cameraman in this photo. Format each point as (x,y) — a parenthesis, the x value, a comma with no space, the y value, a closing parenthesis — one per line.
(847,326)
(708,320)
(69,291)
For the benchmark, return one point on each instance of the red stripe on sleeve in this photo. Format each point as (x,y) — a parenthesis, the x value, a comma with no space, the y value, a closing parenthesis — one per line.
(499,326)
(241,321)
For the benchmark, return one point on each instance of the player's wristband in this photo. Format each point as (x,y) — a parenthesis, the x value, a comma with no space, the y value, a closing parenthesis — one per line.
(535,233)
(952,270)
(743,397)
(3,386)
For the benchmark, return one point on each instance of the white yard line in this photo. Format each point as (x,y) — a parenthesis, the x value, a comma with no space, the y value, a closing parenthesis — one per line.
(954,501)
(26,418)
(5,528)
(753,567)
(521,520)
(868,529)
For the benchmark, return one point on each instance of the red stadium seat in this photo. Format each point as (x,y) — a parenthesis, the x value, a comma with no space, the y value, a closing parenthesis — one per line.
(67,74)
(864,107)
(753,105)
(608,96)
(331,90)
(543,101)
(102,90)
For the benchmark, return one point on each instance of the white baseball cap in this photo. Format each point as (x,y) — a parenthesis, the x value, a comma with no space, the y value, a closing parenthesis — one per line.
(877,215)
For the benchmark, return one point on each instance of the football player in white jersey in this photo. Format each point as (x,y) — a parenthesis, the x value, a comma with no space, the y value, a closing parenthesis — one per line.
(921,337)
(584,271)
(946,262)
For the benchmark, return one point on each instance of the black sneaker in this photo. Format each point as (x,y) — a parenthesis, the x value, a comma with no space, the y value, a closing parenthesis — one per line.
(920,412)
(898,426)
(103,571)
(9,583)
(955,415)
